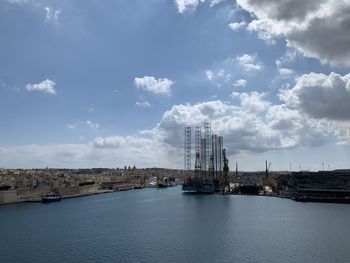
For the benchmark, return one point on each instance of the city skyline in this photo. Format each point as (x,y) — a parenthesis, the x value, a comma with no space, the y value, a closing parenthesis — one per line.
(92,84)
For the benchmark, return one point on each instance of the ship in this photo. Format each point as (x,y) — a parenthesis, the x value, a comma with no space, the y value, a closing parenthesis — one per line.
(197,185)
(153,181)
(162,185)
(247,190)
(190,186)
(207,187)
(51,197)
(341,196)
(345,200)
(202,184)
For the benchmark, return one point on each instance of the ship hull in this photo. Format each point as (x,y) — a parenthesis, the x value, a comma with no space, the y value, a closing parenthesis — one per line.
(197,186)
(323,200)
(247,190)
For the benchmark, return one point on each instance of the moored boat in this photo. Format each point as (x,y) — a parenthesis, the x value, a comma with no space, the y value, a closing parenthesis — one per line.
(51,197)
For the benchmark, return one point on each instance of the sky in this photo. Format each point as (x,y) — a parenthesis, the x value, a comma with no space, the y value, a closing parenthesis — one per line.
(111,83)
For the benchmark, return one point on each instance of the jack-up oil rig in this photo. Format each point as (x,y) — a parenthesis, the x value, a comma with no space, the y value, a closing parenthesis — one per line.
(211,165)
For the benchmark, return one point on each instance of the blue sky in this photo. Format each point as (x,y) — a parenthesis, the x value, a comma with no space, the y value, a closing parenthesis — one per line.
(113,83)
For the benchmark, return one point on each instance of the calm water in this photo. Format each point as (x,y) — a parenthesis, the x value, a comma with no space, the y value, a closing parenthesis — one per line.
(163,225)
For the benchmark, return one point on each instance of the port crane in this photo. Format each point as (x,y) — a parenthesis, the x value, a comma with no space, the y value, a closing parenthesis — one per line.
(266,179)
(237,177)
(225,182)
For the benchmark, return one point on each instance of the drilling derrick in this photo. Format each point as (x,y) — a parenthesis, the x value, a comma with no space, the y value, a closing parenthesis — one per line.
(187,161)
(197,166)
(207,134)
(203,156)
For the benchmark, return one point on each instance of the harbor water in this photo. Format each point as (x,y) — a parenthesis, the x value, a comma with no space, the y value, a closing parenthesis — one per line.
(164,225)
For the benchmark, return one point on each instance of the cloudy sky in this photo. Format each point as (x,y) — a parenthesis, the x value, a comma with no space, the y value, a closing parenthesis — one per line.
(113,83)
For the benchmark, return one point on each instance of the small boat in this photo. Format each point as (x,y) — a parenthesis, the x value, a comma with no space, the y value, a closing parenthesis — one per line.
(51,197)
(153,184)
(153,181)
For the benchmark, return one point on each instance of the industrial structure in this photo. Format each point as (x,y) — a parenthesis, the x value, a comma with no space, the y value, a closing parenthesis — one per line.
(187,164)
(209,162)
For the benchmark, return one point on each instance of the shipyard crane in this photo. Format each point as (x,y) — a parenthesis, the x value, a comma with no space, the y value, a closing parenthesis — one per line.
(225,183)
(266,179)
(238,178)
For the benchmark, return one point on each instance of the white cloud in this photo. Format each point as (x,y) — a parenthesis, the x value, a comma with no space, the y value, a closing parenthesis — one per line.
(253,102)
(209,74)
(240,83)
(221,73)
(249,62)
(285,72)
(232,70)
(186,5)
(283,118)
(220,76)
(143,104)
(82,125)
(91,124)
(156,86)
(288,57)
(235,95)
(52,14)
(263,28)
(119,141)
(236,26)
(215,2)
(190,5)
(305,25)
(47,86)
